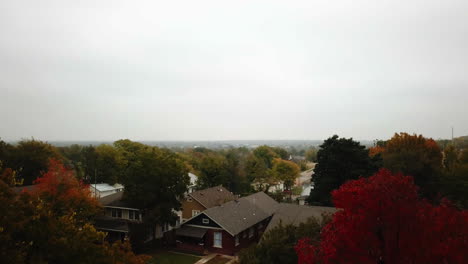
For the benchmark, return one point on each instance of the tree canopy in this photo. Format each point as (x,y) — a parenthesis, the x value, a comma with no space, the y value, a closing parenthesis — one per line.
(417,156)
(383,220)
(339,160)
(46,225)
(277,245)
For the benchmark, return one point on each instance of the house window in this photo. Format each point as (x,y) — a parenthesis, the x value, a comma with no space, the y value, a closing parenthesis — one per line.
(205,221)
(117,213)
(195,212)
(237,240)
(260,226)
(189,199)
(133,215)
(251,232)
(244,234)
(217,239)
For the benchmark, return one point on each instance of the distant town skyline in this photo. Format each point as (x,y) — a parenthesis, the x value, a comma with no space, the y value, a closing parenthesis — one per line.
(242,70)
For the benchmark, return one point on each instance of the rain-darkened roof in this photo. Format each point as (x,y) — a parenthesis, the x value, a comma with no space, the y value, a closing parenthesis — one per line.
(213,196)
(239,215)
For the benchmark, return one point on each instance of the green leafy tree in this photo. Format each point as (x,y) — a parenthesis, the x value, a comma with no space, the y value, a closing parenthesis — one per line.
(110,164)
(277,245)
(155,179)
(339,160)
(259,173)
(311,154)
(30,158)
(212,168)
(454,179)
(236,160)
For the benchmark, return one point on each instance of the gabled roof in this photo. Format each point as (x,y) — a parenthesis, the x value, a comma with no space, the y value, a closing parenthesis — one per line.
(213,196)
(114,200)
(295,214)
(239,215)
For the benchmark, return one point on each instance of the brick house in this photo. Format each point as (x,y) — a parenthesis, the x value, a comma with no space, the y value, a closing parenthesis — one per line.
(229,227)
(198,201)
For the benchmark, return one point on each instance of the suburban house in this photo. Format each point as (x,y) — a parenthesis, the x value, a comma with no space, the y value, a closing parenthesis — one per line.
(104,189)
(198,201)
(228,227)
(296,214)
(119,217)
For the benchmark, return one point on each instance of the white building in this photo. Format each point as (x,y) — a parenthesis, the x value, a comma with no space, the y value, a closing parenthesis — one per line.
(104,189)
(193,182)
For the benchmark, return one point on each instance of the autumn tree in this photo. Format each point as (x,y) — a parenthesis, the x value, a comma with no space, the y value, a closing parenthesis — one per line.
(339,160)
(383,220)
(259,166)
(285,171)
(417,156)
(64,194)
(266,154)
(37,226)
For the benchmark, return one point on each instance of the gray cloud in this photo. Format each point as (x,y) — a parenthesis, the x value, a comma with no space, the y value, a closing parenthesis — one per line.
(198,70)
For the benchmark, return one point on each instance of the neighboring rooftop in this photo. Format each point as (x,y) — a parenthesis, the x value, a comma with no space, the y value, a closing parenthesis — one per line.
(114,200)
(105,187)
(295,214)
(237,216)
(111,224)
(213,196)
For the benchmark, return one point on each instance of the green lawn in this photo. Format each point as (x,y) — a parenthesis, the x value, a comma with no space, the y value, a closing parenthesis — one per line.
(218,260)
(165,257)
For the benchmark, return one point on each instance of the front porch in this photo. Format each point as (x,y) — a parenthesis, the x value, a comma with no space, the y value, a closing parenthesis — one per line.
(191,239)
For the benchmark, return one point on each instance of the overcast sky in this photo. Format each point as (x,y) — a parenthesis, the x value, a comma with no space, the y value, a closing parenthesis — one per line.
(221,70)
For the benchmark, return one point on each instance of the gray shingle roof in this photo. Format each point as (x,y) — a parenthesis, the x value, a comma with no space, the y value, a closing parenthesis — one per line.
(237,216)
(213,196)
(114,200)
(295,214)
(111,224)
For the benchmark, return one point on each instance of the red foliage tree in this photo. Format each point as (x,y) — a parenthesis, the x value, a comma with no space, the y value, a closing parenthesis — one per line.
(383,220)
(65,193)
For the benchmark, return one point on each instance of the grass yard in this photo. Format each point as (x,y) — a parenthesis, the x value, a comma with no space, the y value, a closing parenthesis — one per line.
(165,257)
(218,260)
